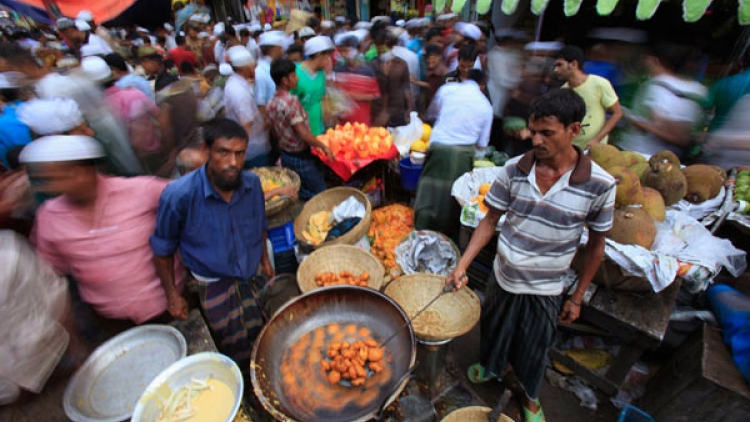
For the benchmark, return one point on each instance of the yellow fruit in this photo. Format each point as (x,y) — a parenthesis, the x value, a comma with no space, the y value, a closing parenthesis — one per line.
(484,188)
(419,146)
(426,132)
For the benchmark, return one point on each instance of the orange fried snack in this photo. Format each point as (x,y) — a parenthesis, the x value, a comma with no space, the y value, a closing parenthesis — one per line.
(353,361)
(388,227)
(344,277)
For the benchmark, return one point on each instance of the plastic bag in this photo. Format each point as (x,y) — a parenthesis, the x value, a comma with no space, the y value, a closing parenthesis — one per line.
(337,102)
(426,251)
(348,208)
(404,136)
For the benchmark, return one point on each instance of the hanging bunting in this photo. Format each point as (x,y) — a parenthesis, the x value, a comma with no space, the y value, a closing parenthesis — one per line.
(692,10)
(571,7)
(483,6)
(509,6)
(439,6)
(458,6)
(646,9)
(538,6)
(605,7)
(743,12)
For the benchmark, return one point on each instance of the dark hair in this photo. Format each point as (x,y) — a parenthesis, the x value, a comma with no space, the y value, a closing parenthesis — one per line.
(179,40)
(433,32)
(468,52)
(671,56)
(116,61)
(257,33)
(10,94)
(161,39)
(12,157)
(222,128)
(187,68)
(280,69)
(295,48)
(244,32)
(14,53)
(229,31)
(564,104)
(477,76)
(571,53)
(265,49)
(350,41)
(433,50)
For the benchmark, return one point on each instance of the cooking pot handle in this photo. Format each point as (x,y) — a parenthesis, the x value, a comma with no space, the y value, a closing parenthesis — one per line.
(396,390)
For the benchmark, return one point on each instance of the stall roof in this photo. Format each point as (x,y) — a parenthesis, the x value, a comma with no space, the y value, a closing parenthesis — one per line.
(692,10)
(102,10)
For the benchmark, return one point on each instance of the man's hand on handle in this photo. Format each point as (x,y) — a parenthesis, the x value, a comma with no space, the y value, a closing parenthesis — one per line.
(457,279)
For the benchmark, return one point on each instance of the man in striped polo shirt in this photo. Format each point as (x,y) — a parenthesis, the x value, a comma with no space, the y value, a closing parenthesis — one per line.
(548,196)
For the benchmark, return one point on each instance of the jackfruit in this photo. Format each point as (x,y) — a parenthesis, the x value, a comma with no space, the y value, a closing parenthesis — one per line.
(640,168)
(665,176)
(628,187)
(632,158)
(703,182)
(633,226)
(653,204)
(606,156)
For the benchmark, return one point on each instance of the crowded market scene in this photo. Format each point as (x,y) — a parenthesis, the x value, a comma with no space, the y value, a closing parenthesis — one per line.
(356,210)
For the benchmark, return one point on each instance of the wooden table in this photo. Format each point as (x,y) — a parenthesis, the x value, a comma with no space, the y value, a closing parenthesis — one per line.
(639,320)
(47,406)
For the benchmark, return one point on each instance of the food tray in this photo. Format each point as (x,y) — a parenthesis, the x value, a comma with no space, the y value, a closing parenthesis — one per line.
(107,387)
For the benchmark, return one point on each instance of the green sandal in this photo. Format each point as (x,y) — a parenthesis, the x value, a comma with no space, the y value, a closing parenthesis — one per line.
(476,374)
(528,416)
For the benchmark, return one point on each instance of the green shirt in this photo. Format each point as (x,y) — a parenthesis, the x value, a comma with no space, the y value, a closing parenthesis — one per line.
(598,95)
(371,53)
(310,90)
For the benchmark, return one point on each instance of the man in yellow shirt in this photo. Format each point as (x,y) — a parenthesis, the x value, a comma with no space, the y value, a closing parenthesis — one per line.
(597,93)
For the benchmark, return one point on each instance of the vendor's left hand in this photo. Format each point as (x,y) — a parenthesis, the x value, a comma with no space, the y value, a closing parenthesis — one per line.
(570,312)
(268,269)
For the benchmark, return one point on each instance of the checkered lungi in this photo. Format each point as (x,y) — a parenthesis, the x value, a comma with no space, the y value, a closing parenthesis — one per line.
(307,166)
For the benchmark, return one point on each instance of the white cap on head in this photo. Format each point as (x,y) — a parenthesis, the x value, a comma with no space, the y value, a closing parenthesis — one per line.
(341,36)
(277,38)
(306,32)
(10,80)
(317,45)
(64,23)
(340,19)
(96,69)
(85,15)
(396,31)
(219,28)
(400,23)
(240,56)
(168,26)
(267,27)
(447,16)
(225,69)
(195,18)
(363,25)
(82,25)
(57,148)
(385,19)
(50,115)
(203,34)
(413,23)
(141,29)
(543,46)
(360,34)
(469,30)
(326,24)
(92,50)
(255,27)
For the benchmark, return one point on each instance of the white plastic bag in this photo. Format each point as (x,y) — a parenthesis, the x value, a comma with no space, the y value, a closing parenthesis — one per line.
(348,208)
(404,136)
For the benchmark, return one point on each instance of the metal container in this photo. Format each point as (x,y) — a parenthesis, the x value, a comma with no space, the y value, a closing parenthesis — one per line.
(179,374)
(107,387)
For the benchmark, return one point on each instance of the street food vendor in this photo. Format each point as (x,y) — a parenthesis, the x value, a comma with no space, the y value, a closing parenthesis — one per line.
(94,230)
(216,217)
(456,135)
(547,195)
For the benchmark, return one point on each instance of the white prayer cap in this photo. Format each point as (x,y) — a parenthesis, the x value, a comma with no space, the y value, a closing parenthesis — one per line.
(92,50)
(446,16)
(195,18)
(240,56)
(306,32)
(469,30)
(11,80)
(339,38)
(141,29)
(340,19)
(64,23)
(277,38)
(56,148)
(168,27)
(82,25)
(50,116)
(203,34)
(396,31)
(385,19)
(326,24)
(225,69)
(255,27)
(267,27)
(360,34)
(96,69)
(317,45)
(413,23)
(400,23)
(85,15)
(543,46)
(363,25)
(209,67)
(219,28)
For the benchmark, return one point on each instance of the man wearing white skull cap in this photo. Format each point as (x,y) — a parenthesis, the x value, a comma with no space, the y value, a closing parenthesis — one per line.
(13,132)
(239,100)
(54,116)
(95,231)
(311,87)
(271,48)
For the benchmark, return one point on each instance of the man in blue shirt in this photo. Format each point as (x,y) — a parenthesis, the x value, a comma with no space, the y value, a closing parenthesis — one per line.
(13,132)
(216,217)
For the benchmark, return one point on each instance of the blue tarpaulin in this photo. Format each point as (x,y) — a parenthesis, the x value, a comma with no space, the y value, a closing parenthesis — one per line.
(39,15)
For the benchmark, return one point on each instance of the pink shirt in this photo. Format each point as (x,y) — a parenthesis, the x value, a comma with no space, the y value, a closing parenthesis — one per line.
(108,250)
(138,113)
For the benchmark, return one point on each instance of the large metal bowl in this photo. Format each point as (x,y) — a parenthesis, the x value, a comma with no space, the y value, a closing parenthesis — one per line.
(179,374)
(318,400)
(107,387)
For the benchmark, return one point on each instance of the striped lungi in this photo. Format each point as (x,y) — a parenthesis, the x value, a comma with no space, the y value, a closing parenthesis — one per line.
(231,307)
(308,167)
(518,330)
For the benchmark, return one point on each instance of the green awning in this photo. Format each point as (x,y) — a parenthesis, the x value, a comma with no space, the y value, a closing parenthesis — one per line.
(692,10)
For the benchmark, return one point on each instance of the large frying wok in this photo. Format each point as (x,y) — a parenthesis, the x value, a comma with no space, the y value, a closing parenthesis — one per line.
(303,394)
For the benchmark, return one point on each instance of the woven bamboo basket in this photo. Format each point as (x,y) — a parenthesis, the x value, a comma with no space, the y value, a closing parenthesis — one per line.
(452,315)
(284,176)
(337,258)
(327,201)
(473,414)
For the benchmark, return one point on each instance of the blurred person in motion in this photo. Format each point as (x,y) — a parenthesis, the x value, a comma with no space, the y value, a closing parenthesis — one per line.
(467,35)
(97,233)
(504,69)
(215,218)
(435,72)
(456,138)
(395,103)
(311,85)
(466,57)
(356,79)
(239,98)
(597,93)
(666,108)
(181,53)
(271,49)
(13,132)
(96,35)
(290,126)
(548,196)
(124,78)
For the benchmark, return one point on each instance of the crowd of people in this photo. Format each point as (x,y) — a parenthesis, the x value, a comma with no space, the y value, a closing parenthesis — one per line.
(123,153)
